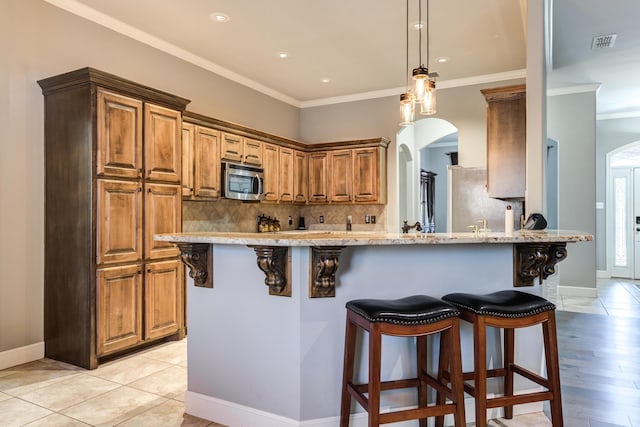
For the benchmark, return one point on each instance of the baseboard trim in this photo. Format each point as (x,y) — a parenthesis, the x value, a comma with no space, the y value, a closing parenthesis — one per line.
(235,415)
(602,274)
(577,291)
(20,355)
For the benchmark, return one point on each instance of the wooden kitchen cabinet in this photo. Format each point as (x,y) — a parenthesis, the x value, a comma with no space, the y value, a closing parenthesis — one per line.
(119,152)
(341,176)
(119,311)
(300,176)
(318,176)
(113,167)
(271,164)
(163,215)
(506,141)
(369,175)
(207,172)
(162,143)
(252,152)
(286,175)
(119,221)
(163,298)
(231,147)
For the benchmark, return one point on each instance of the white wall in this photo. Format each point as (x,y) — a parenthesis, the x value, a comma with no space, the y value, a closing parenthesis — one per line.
(38,40)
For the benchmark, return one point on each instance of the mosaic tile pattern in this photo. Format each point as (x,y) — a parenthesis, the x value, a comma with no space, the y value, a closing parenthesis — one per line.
(236,216)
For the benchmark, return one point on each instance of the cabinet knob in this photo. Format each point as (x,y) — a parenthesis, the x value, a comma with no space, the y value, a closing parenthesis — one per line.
(149,190)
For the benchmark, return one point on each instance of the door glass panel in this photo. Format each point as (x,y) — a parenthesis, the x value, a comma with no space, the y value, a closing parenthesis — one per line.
(620,221)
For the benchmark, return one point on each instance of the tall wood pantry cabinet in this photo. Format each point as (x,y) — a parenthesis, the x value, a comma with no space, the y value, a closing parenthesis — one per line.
(112,181)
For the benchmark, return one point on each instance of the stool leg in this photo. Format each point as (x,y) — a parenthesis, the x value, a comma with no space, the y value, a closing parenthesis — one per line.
(509,349)
(480,369)
(421,354)
(347,371)
(553,368)
(443,366)
(457,386)
(375,362)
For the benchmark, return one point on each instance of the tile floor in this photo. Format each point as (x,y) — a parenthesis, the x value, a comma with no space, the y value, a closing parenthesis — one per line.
(147,389)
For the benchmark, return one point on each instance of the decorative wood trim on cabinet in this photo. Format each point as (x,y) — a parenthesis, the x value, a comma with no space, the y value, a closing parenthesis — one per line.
(533,261)
(275,263)
(323,268)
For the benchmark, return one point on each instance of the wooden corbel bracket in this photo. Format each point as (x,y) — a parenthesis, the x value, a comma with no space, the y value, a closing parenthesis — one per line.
(274,262)
(197,257)
(324,264)
(536,260)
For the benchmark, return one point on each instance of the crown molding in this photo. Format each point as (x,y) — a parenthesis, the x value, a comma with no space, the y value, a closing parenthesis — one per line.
(118,26)
(569,90)
(441,84)
(614,116)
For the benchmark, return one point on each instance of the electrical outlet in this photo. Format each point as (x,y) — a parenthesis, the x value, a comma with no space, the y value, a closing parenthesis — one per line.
(367,219)
(321,219)
(373,219)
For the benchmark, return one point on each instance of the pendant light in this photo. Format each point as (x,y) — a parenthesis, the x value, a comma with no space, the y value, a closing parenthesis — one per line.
(424,86)
(407,108)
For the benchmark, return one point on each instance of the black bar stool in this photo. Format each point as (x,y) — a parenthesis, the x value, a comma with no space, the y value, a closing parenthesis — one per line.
(415,316)
(509,310)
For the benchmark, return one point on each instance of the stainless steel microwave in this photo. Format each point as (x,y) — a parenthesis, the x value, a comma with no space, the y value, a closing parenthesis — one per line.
(241,182)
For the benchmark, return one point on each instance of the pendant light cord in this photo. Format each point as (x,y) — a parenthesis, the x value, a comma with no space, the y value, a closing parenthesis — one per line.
(420,24)
(428,32)
(406,69)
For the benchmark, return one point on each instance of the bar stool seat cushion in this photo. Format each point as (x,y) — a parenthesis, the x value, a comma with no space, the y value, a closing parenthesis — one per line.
(412,310)
(508,303)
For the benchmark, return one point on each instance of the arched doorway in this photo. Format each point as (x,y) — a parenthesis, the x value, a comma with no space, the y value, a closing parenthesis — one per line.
(410,142)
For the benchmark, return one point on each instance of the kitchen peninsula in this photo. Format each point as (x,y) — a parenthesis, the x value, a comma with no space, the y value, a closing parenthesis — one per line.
(275,358)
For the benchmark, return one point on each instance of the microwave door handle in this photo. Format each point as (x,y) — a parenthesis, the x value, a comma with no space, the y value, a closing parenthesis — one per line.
(259,184)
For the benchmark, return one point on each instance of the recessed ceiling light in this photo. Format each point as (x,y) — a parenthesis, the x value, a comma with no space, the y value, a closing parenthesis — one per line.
(283,55)
(326,80)
(416,25)
(219,17)
(443,59)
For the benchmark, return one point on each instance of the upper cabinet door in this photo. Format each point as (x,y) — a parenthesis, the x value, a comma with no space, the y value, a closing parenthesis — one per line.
(300,177)
(366,175)
(271,162)
(119,136)
(206,177)
(162,143)
(341,178)
(286,174)
(231,147)
(252,152)
(318,176)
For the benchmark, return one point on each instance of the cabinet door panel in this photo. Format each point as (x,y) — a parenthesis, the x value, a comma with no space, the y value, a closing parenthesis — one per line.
(318,177)
(162,132)
(252,152)
(231,147)
(119,218)
(300,177)
(271,157)
(207,163)
(119,308)
(163,207)
(188,137)
(286,174)
(366,182)
(341,187)
(119,136)
(163,298)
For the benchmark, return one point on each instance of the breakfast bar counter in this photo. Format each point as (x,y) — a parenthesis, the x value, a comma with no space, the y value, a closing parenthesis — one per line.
(274,358)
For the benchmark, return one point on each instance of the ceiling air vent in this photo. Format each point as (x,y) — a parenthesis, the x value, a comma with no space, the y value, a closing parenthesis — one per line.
(601,42)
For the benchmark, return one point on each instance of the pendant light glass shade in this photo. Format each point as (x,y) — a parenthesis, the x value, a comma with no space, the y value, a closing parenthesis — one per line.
(428,104)
(420,82)
(407,110)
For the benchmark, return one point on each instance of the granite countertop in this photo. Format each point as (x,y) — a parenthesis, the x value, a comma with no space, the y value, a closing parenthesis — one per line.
(368,238)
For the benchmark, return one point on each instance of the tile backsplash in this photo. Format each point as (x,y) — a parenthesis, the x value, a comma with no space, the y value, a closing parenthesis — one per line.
(233,215)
